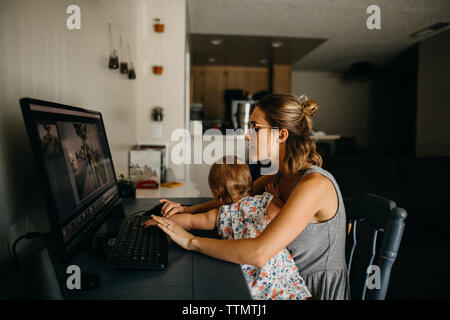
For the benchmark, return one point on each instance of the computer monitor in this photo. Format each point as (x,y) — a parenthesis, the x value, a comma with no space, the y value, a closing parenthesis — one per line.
(73,157)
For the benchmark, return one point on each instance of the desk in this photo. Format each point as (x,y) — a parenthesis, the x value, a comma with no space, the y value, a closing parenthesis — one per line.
(189,275)
(187,190)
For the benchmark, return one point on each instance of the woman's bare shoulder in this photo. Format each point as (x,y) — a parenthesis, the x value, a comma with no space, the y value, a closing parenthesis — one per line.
(316,178)
(314,186)
(322,188)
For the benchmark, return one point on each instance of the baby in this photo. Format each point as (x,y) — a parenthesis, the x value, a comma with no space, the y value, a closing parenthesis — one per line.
(243,216)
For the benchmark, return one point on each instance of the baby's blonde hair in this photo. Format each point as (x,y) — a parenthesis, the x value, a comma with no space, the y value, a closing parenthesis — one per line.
(231,178)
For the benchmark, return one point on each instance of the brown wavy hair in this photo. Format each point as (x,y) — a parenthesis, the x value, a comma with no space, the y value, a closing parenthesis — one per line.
(231,178)
(294,114)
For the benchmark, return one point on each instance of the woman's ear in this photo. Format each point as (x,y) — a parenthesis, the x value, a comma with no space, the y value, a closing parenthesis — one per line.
(283,134)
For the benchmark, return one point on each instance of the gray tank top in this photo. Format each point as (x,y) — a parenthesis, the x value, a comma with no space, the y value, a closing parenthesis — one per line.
(319,251)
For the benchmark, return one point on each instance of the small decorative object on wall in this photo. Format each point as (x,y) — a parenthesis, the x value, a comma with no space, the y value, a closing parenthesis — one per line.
(123,63)
(114,60)
(158,70)
(131,72)
(157,114)
(113,57)
(159,27)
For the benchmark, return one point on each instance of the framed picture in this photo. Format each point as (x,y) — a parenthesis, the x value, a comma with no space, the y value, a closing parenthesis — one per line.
(147,162)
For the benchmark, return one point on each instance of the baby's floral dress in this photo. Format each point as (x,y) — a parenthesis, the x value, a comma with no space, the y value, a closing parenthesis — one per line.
(279,278)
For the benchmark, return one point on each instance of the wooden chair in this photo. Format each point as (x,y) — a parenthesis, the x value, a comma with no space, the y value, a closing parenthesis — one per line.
(369,217)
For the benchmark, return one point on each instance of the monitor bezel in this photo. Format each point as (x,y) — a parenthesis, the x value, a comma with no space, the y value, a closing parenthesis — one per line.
(64,248)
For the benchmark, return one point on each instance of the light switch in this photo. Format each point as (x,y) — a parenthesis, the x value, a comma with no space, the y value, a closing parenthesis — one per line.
(157,130)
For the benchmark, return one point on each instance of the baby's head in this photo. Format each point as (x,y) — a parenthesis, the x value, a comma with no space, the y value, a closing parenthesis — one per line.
(230,180)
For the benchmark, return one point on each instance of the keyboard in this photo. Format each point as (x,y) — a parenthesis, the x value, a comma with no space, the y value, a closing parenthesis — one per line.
(139,247)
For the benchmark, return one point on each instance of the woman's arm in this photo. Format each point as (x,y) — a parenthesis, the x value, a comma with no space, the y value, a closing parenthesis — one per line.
(310,195)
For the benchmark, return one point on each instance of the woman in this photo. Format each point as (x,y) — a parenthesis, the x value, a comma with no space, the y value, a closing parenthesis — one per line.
(312,222)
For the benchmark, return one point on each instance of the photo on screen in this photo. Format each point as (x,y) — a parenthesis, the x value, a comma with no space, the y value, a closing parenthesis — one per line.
(49,140)
(84,153)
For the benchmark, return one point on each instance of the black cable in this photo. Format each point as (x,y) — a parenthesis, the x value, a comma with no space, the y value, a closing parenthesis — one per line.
(29,235)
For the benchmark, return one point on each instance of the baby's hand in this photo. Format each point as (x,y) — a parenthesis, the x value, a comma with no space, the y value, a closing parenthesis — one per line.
(270,188)
(149,223)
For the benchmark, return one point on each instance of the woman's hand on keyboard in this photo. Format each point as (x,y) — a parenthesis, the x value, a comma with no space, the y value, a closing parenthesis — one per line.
(176,232)
(170,208)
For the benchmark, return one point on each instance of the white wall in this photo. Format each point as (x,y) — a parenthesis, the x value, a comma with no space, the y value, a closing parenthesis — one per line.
(343,106)
(41,58)
(167,90)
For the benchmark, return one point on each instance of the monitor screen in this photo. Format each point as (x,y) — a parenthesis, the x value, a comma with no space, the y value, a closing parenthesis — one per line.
(72,151)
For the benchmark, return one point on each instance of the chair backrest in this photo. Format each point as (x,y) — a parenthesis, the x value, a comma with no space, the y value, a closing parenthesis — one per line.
(370,216)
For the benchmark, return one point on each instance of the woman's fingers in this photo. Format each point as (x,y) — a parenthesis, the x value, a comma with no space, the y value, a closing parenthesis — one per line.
(166,222)
(162,220)
(168,231)
(175,231)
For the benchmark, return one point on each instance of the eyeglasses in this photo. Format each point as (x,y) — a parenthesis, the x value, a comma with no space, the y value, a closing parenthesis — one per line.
(256,126)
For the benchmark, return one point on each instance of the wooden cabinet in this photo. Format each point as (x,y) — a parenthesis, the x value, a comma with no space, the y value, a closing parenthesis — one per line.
(210,83)
(282,75)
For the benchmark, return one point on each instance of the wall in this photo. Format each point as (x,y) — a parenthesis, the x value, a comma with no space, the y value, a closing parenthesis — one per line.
(41,58)
(433,100)
(167,90)
(343,106)
(393,105)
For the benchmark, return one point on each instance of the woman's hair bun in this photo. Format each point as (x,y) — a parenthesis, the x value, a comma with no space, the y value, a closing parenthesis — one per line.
(310,107)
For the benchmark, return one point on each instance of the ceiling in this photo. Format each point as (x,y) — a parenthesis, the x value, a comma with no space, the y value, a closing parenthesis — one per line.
(341,22)
(248,50)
